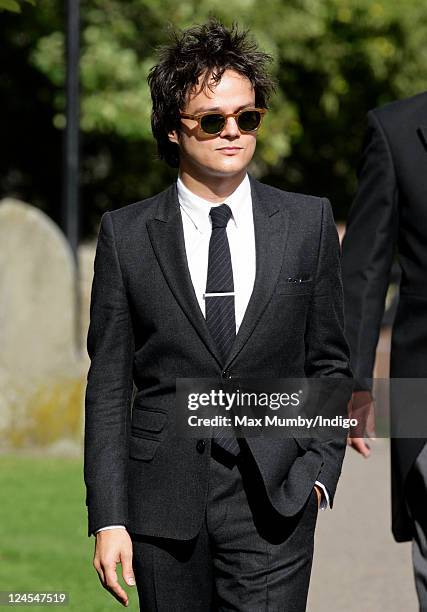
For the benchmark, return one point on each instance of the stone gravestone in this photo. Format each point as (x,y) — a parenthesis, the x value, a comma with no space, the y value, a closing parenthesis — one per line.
(41,374)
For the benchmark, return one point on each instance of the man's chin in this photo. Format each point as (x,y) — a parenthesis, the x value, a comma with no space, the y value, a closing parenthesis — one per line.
(226,171)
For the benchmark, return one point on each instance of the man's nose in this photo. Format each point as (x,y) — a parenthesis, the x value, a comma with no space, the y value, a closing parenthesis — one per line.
(230,128)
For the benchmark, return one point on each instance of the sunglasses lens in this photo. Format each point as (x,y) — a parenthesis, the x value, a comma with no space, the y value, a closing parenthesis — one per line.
(212,124)
(249,120)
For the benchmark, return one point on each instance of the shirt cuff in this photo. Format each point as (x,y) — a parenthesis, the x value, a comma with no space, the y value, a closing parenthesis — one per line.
(111,527)
(324,502)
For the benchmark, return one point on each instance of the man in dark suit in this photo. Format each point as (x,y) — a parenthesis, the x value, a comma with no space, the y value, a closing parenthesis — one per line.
(389,213)
(218,276)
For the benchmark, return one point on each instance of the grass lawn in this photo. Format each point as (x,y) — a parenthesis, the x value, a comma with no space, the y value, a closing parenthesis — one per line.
(43,534)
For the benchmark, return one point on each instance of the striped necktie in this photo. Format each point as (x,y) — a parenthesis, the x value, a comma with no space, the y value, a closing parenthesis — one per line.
(219,303)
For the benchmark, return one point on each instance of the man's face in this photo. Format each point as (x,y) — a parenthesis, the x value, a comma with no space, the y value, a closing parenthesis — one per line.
(225,154)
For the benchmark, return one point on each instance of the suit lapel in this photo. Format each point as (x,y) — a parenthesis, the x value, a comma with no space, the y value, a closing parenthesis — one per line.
(271,222)
(167,237)
(422,133)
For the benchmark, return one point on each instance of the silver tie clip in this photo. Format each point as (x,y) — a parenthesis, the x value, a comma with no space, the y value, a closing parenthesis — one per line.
(205,295)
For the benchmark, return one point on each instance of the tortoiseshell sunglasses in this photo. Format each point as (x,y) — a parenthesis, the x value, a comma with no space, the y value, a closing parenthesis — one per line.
(212,123)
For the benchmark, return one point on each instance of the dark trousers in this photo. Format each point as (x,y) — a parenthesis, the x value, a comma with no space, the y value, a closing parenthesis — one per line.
(416,498)
(246,557)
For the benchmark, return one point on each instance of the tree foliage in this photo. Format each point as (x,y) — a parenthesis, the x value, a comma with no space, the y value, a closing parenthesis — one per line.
(14,6)
(334,59)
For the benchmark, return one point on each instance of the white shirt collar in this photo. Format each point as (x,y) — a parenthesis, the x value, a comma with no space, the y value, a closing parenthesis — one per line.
(198,208)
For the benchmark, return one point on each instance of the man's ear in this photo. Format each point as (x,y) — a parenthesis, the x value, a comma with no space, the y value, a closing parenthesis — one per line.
(173,136)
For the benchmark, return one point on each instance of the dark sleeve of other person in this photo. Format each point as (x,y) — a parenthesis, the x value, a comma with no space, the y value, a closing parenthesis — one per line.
(368,250)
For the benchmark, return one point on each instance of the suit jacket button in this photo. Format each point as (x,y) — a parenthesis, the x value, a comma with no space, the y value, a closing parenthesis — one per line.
(200,446)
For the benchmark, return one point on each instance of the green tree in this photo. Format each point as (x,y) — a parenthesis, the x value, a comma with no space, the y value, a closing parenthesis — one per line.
(334,59)
(14,6)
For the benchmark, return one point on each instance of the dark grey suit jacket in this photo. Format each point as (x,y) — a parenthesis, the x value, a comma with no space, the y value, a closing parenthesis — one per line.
(146,328)
(389,215)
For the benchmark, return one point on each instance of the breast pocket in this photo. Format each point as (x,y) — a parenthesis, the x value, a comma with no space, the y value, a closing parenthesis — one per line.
(294,286)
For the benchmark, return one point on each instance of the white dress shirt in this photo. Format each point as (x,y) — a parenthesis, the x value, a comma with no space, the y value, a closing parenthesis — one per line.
(197,228)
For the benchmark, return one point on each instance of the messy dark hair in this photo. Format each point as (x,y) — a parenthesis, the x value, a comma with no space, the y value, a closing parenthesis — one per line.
(208,49)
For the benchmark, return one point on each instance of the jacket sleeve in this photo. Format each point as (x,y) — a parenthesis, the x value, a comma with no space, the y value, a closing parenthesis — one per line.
(368,249)
(110,345)
(327,352)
